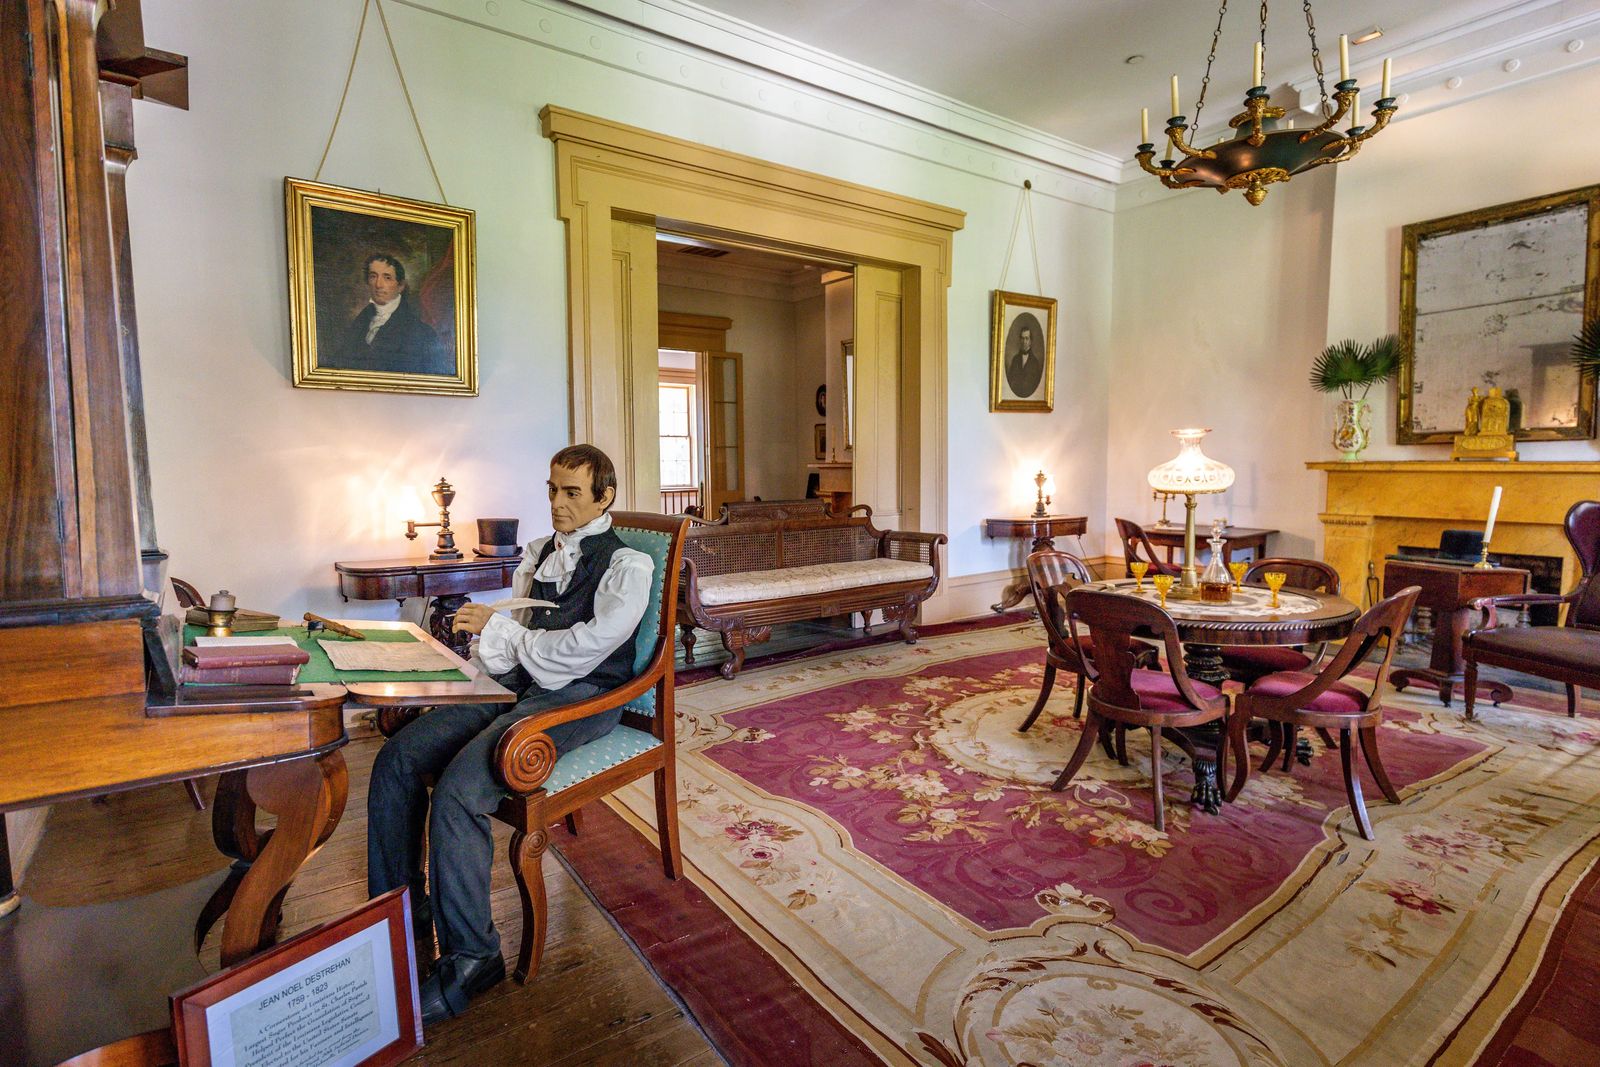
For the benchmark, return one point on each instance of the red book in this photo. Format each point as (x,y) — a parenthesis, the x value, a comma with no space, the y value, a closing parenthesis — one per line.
(244,656)
(273,674)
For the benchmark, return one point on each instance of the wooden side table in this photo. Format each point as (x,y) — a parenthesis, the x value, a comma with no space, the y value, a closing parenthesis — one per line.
(1043,532)
(1449,591)
(447,582)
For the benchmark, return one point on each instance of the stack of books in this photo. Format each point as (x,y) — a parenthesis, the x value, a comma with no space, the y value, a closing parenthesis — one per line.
(253,664)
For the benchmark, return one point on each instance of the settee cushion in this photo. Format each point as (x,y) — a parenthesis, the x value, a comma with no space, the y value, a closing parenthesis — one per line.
(746,586)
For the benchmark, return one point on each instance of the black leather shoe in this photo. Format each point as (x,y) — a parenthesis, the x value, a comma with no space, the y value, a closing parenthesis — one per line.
(455,980)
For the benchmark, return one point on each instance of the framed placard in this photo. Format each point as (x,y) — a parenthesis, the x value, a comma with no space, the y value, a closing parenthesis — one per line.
(1491,299)
(343,994)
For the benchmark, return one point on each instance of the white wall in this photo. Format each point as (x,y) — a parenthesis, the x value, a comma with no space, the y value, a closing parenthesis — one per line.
(260,486)
(763,332)
(1516,144)
(1220,307)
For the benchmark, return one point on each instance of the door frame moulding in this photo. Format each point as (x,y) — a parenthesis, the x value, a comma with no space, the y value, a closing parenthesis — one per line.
(607,170)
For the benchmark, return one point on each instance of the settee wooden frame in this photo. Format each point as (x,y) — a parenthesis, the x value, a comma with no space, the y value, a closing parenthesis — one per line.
(736,545)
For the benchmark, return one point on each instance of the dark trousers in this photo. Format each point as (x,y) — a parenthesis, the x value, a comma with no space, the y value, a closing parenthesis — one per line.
(456,745)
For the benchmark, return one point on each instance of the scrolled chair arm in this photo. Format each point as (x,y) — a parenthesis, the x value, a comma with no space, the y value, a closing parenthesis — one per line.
(1491,604)
(525,759)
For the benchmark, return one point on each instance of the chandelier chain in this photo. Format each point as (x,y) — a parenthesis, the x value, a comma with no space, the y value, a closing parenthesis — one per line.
(1263,42)
(1316,59)
(1205,82)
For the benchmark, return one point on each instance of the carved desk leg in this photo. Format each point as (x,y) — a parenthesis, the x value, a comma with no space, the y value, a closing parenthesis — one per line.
(308,797)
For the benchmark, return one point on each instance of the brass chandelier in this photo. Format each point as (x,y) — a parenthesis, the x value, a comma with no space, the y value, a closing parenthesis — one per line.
(1264,150)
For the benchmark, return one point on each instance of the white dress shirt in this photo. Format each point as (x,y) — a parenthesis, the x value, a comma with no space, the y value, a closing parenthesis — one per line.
(553,658)
(381,316)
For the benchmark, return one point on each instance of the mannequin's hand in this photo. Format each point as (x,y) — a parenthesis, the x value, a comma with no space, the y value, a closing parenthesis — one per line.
(472,618)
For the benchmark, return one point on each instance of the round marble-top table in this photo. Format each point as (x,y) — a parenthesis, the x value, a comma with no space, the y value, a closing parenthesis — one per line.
(1302,617)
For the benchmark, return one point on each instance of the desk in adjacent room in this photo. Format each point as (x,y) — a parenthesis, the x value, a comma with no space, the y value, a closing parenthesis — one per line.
(447,582)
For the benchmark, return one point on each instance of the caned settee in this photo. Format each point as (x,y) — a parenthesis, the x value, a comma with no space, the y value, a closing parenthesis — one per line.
(763,563)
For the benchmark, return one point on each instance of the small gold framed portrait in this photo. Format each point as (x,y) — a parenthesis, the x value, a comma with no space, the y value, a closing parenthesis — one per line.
(382,291)
(1022,357)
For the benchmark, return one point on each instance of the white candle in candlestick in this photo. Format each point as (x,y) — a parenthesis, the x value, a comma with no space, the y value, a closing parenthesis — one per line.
(1257,80)
(1175,104)
(1355,109)
(1386,94)
(1494,509)
(1344,57)
(1144,125)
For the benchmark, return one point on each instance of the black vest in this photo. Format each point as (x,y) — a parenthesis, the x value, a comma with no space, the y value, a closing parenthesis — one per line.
(577,604)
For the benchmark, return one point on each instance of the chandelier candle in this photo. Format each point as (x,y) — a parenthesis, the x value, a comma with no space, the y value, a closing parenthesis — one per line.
(1265,149)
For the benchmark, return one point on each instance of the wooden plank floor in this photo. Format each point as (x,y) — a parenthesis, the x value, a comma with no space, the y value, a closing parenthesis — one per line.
(594,1001)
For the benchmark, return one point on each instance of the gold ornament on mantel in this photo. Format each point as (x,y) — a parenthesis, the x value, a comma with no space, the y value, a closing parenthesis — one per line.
(1488,428)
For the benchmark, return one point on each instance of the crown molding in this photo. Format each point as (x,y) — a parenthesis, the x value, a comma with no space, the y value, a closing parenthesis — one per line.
(743,279)
(686,46)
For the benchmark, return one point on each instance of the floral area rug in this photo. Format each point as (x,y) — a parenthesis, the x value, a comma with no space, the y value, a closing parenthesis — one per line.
(874,821)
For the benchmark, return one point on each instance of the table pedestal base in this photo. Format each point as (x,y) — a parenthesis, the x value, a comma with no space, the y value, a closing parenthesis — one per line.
(441,614)
(1446,683)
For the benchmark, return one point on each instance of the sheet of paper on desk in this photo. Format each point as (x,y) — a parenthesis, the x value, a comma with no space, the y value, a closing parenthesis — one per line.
(517,603)
(385,656)
(208,642)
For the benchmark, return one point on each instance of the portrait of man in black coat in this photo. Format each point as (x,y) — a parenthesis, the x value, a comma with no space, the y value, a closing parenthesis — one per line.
(1024,362)
(388,334)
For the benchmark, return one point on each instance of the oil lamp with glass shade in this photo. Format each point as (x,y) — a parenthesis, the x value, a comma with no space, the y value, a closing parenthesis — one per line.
(1190,474)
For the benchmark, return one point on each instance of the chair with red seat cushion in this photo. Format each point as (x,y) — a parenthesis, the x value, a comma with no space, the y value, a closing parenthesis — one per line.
(1323,700)
(1246,663)
(1128,695)
(1569,653)
(1051,573)
(1136,545)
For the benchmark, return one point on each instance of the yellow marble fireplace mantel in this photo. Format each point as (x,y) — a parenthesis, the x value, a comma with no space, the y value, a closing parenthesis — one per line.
(1373,508)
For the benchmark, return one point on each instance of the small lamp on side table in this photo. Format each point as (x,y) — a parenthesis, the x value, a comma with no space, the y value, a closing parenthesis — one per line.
(1190,474)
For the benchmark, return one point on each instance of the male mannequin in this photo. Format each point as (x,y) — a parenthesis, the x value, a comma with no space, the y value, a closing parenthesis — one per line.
(552,657)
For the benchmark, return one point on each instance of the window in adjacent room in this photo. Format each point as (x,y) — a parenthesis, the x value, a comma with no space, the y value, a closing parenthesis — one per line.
(680,445)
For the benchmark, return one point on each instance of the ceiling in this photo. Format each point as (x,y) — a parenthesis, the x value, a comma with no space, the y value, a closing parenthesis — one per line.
(1059,65)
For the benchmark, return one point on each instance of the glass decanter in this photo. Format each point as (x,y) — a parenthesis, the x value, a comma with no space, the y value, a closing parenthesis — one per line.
(1216,584)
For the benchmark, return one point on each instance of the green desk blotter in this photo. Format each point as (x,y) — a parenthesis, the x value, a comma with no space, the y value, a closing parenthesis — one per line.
(320,669)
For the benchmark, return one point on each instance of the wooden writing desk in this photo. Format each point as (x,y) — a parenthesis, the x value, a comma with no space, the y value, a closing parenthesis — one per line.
(446,581)
(1449,590)
(1240,538)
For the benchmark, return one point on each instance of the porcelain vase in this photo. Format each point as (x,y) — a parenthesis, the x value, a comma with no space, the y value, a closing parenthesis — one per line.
(1351,427)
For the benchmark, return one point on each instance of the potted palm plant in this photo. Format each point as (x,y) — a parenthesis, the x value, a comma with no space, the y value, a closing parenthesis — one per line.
(1586,347)
(1351,369)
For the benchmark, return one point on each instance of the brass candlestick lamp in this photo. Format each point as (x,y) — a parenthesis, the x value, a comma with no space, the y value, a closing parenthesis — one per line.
(1188,475)
(443,494)
(1043,503)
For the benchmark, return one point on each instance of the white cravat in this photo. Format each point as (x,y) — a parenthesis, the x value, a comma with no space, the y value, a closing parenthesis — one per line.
(558,566)
(382,316)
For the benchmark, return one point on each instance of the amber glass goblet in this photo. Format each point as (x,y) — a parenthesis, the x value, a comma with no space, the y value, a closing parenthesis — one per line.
(1237,569)
(1163,583)
(1139,568)
(1275,580)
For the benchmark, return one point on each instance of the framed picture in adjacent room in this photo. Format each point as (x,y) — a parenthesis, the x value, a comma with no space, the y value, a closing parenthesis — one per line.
(382,291)
(819,440)
(1022,357)
(1492,298)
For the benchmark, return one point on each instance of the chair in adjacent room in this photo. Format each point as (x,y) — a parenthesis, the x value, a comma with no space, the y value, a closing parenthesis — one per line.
(1052,574)
(1246,663)
(1569,653)
(1124,694)
(1136,545)
(545,790)
(1324,700)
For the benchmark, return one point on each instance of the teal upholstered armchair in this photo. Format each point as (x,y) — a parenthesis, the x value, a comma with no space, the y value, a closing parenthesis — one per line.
(544,789)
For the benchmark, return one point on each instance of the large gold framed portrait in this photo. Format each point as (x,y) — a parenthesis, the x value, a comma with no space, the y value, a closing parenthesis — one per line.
(1022,357)
(1492,298)
(382,291)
